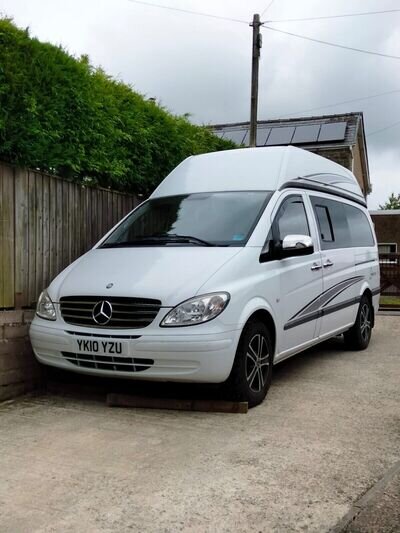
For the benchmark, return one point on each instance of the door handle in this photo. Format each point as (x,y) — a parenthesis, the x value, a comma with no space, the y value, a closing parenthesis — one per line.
(316,266)
(328,263)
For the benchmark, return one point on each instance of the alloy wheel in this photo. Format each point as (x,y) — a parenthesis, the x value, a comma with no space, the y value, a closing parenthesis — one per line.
(257,363)
(365,322)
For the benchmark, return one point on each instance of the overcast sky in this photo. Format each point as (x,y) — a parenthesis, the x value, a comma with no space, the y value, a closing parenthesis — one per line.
(201,66)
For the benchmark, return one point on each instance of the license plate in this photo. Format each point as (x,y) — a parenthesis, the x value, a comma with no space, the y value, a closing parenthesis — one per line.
(101,347)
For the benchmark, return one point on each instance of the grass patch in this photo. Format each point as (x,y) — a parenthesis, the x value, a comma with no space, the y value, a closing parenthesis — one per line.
(390,300)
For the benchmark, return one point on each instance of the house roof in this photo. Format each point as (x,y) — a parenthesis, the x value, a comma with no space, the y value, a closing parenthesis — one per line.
(327,130)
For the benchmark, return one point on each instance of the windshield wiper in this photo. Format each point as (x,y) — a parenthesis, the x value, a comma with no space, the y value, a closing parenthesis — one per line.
(126,244)
(159,239)
(174,237)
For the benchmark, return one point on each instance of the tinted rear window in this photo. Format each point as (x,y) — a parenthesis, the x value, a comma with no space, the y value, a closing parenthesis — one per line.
(341,225)
(360,229)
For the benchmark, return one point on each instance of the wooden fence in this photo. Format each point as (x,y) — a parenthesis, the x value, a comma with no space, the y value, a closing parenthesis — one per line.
(45,223)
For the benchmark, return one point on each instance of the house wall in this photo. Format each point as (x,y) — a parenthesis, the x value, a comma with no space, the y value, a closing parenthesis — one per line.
(387,229)
(343,156)
(357,167)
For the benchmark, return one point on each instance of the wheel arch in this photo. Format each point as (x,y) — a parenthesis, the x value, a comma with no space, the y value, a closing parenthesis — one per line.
(266,318)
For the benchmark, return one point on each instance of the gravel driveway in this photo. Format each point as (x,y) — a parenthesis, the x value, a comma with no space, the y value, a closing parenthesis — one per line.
(327,432)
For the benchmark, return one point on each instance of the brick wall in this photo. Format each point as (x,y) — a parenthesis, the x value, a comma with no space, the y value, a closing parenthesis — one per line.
(342,156)
(19,371)
(387,228)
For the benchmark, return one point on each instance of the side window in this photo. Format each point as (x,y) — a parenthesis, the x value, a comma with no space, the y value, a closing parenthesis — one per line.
(360,229)
(332,223)
(291,219)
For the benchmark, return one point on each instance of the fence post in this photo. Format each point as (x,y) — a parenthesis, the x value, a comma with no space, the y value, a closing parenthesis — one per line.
(21,237)
(6,236)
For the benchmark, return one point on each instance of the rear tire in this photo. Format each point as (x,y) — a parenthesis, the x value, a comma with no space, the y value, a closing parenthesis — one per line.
(251,374)
(358,337)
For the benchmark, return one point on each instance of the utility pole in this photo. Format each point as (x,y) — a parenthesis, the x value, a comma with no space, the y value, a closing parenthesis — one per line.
(257,44)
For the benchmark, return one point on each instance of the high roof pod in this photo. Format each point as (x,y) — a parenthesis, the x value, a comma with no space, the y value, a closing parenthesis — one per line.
(270,168)
(338,137)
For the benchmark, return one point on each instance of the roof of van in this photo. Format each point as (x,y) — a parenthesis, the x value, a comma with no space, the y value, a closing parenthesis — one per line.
(250,169)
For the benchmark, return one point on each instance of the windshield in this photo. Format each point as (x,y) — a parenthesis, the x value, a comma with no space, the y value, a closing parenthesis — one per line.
(200,219)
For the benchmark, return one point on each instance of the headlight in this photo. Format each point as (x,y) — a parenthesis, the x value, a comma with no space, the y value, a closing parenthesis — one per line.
(45,307)
(197,310)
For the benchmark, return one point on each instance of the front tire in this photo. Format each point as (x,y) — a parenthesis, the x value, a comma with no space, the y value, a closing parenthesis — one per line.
(358,337)
(251,373)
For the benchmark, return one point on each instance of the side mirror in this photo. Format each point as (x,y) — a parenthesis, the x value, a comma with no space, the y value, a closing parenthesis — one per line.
(293,245)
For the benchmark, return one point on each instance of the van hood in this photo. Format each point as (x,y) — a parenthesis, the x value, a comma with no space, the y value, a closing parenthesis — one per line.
(170,274)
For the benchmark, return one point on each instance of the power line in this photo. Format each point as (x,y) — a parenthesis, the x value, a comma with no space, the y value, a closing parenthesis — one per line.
(384,129)
(267,8)
(188,12)
(338,103)
(332,44)
(218,17)
(336,16)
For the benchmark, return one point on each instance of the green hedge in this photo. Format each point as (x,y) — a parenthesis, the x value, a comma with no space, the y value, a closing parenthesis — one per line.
(61,115)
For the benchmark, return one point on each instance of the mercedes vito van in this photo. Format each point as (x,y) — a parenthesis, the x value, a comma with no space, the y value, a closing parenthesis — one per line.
(237,261)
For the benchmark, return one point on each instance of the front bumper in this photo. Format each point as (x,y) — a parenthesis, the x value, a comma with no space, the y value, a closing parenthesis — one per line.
(185,356)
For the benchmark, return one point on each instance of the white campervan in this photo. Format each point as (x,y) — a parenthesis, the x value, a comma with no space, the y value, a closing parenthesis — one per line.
(238,260)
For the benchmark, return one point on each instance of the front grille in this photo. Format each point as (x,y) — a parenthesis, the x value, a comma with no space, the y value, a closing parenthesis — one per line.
(107,362)
(129,313)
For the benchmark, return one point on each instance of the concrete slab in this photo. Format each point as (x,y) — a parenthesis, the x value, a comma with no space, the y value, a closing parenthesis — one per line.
(328,431)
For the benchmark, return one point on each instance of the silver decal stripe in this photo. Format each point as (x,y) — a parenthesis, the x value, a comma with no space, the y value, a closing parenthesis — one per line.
(319,306)
(325,311)
(327,296)
(353,282)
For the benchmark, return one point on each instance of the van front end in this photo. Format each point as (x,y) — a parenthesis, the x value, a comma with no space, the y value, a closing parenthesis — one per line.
(201,353)
(141,304)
